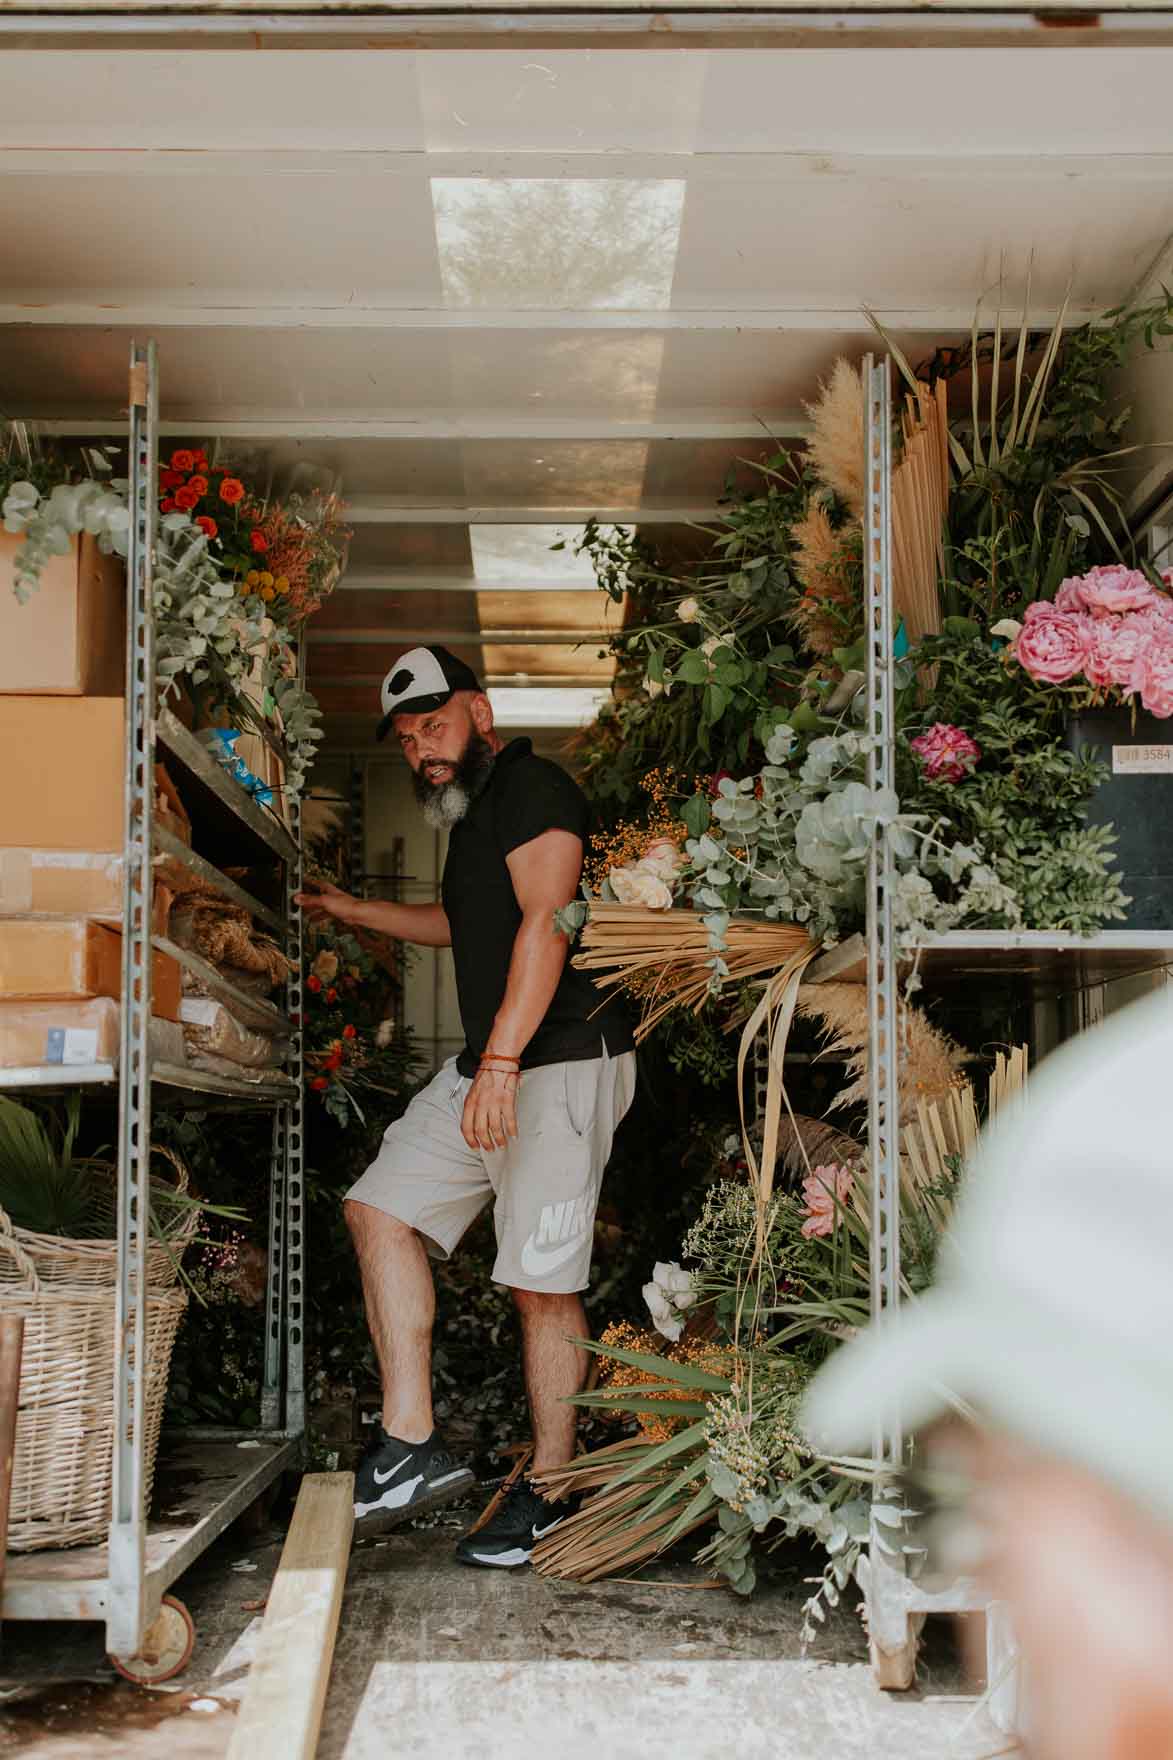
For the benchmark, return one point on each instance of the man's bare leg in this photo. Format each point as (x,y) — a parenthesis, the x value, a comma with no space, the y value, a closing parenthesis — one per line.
(400,1301)
(555,1370)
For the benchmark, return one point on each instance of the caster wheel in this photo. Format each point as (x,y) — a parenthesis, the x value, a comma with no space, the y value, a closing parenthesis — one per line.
(167,1647)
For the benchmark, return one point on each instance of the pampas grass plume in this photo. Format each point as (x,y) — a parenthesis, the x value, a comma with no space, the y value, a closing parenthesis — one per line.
(836,445)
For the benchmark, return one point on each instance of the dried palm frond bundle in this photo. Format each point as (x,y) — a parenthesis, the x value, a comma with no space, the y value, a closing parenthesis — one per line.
(920,496)
(664,957)
(836,444)
(828,562)
(930,1061)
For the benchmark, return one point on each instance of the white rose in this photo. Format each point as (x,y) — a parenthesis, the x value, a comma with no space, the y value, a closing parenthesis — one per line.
(664,1318)
(712,643)
(622,884)
(676,1284)
(688,610)
(653,688)
(638,886)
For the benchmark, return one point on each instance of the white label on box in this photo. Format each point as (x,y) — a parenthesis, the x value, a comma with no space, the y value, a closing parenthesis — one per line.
(72,1045)
(1142,760)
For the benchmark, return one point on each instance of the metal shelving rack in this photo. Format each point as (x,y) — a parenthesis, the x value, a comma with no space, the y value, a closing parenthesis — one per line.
(221,1472)
(1050,964)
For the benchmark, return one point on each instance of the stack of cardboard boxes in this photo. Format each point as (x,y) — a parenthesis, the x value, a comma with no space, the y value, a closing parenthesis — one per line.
(62,735)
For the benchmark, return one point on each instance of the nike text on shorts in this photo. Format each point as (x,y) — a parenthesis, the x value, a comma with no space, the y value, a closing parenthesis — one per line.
(544,1185)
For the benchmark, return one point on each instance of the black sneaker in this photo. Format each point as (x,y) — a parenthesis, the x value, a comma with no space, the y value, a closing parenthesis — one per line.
(508,1539)
(398,1480)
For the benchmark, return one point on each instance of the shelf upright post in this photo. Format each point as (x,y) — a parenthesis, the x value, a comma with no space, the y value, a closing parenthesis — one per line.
(273,1384)
(893,1650)
(127,1614)
(293,1119)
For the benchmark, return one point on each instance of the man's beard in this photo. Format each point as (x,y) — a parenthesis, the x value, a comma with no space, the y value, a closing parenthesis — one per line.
(446,803)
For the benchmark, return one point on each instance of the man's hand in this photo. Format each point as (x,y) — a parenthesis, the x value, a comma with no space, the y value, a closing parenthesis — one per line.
(327,901)
(490,1111)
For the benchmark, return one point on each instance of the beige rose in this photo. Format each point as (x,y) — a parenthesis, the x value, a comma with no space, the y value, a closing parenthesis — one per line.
(662,858)
(325,966)
(638,886)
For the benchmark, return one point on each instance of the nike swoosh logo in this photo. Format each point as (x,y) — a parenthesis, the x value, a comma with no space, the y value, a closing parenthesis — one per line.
(383,1478)
(549,1527)
(535,1263)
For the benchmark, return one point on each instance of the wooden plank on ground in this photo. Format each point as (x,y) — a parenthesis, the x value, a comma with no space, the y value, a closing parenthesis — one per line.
(281,1713)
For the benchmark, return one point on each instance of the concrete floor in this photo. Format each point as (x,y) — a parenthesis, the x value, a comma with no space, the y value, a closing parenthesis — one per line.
(437,1660)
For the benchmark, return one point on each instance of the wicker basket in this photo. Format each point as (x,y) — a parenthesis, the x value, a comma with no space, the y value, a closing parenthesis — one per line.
(64,1462)
(93,1263)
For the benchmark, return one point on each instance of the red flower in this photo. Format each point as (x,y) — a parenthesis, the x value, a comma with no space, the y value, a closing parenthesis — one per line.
(314,984)
(259,542)
(319,1083)
(232,491)
(331,995)
(183,460)
(350,1032)
(186,499)
(170,479)
(167,505)
(201,460)
(334,1060)
(198,485)
(208,526)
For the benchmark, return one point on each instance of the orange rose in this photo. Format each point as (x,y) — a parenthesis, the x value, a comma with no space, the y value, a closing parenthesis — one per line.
(232,491)
(183,460)
(208,526)
(186,499)
(198,485)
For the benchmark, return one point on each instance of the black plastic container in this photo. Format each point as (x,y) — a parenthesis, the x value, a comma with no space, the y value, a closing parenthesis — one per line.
(1137,801)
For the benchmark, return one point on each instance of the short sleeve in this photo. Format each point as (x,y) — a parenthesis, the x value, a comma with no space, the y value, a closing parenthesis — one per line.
(538,796)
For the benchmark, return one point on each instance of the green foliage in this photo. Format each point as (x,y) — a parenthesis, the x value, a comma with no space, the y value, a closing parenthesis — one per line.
(1023,801)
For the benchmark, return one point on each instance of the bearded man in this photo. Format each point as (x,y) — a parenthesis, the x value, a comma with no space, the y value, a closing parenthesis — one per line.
(523,1119)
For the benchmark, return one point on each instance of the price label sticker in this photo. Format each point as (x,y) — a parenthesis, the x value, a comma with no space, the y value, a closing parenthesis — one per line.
(1142,760)
(72,1045)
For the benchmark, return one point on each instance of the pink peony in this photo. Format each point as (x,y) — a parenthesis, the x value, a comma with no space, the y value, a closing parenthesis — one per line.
(1117,643)
(1068,598)
(1152,676)
(947,753)
(1113,589)
(824,1192)
(1053,646)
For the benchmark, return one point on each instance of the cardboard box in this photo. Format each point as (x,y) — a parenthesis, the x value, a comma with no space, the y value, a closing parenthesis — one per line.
(58,1033)
(43,958)
(64,770)
(69,637)
(60,883)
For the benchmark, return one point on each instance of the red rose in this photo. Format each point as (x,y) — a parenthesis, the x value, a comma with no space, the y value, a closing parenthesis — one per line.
(167,505)
(350,1032)
(331,995)
(232,491)
(186,499)
(198,485)
(208,526)
(183,460)
(170,479)
(314,984)
(320,1082)
(201,460)
(259,542)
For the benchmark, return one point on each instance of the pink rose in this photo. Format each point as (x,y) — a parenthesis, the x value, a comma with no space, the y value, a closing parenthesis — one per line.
(1053,645)
(1104,590)
(1163,608)
(947,753)
(824,1192)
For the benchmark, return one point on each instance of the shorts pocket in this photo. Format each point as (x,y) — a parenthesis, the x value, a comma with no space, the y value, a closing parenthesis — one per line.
(580,1082)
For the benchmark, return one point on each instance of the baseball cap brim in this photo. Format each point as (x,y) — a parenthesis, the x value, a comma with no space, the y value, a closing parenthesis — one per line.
(954,1351)
(413,706)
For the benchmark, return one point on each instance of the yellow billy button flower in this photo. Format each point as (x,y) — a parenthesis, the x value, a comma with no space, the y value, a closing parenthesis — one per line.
(267,594)
(252,578)
(266,578)
(282,583)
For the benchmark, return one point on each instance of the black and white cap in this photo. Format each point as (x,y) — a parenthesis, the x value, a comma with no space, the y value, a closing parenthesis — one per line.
(423,679)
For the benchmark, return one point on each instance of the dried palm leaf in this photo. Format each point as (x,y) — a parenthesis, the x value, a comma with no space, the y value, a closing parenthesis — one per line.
(920,494)
(665,959)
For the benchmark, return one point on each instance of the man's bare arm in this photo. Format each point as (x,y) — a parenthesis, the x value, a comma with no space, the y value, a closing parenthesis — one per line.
(424,924)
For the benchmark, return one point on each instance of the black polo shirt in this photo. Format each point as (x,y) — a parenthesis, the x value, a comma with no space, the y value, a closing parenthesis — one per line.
(523,797)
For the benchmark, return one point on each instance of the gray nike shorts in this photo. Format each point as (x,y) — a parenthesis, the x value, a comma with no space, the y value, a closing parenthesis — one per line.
(544,1185)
